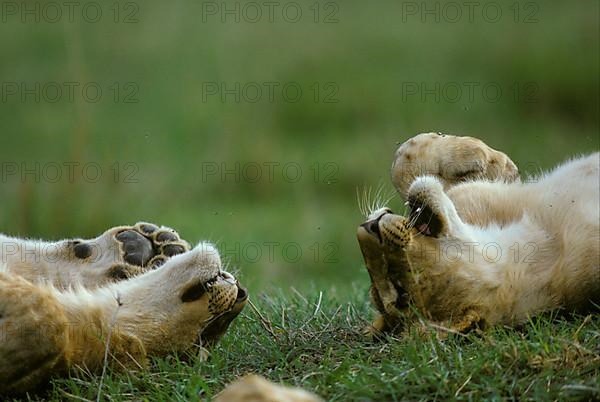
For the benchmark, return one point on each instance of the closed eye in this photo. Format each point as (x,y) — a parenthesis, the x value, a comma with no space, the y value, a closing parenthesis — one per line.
(197,290)
(193,292)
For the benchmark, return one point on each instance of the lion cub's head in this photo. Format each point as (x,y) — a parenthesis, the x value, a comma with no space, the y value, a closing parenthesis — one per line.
(191,300)
(410,259)
(211,293)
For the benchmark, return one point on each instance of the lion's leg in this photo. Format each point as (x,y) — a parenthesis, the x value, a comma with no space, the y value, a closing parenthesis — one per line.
(44,333)
(33,335)
(451,159)
(119,253)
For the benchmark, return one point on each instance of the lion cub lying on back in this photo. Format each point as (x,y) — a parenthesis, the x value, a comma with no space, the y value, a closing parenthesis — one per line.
(72,303)
(479,247)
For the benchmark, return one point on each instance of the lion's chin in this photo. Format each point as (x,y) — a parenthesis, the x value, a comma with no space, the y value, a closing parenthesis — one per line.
(214,331)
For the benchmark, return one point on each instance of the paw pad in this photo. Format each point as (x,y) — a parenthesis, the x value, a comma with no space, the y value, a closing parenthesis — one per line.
(82,250)
(147,245)
(164,237)
(147,228)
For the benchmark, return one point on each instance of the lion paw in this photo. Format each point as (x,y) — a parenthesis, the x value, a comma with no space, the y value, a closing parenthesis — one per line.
(147,245)
(451,159)
(123,252)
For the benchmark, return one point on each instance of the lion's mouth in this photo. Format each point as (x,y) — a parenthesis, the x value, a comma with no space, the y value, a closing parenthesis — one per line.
(242,294)
(217,325)
(424,219)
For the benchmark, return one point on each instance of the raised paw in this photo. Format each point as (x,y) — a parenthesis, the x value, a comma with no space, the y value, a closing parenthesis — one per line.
(451,159)
(123,252)
(431,212)
(149,246)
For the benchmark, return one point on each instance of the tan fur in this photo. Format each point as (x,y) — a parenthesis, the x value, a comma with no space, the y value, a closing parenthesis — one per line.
(451,159)
(253,388)
(59,311)
(546,232)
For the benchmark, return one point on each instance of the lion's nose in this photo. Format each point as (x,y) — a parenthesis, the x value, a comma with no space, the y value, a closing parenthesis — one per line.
(372,226)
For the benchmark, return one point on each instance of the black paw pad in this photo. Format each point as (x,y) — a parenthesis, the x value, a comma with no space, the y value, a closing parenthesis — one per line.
(137,249)
(147,228)
(166,236)
(157,261)
(82,250)
(172,249)
(149,246)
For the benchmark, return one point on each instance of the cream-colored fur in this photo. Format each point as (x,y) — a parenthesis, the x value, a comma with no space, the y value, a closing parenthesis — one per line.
(484,250)
(62,306)
(253,388)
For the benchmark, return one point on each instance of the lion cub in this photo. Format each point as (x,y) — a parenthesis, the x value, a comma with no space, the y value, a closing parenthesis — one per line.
(479,247)
(72,304)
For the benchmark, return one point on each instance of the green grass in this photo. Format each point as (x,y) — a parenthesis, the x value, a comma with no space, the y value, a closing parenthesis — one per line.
(314,340)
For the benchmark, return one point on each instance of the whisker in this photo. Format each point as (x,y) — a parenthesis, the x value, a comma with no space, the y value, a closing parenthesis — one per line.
(358,201)
(365,200)
(430,219)
(371,199)
(428,222)
(416,217)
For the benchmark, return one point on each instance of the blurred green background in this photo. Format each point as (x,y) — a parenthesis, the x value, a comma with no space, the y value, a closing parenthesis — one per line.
(158,143)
